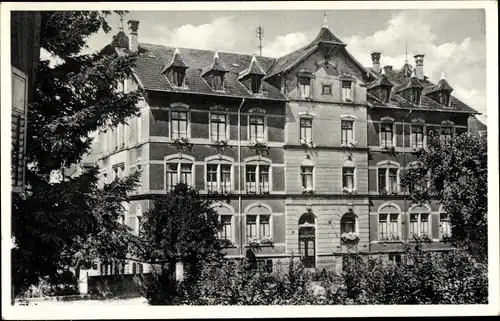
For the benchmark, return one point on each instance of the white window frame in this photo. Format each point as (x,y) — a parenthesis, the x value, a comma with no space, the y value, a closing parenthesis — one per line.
(393,125)
(419,223)
(424,134)
(249,130)
(188,123)
(441,234)
(178,160)
(302,87)
(226,119)
(354,176)
(258,162)
(356,222)
(257,221)
(218,161)
(312,179)
(343,90)
(389,234)
(307,118)
(386,165)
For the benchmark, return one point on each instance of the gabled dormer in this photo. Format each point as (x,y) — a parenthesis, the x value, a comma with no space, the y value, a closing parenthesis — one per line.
(441,92)
(327,41)
(381,88)
(176,70)
(215,73)
(252,76)
(412,90)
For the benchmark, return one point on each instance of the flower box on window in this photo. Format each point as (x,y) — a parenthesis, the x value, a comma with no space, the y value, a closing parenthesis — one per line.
(350,145)
(388,149)
(350,191)
(266,241)
(349,238)
(308,143)
(307,190)
(182,143)
(258,242)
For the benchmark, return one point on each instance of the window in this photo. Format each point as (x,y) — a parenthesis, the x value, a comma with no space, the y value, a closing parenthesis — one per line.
(348,223)
(307,177)
(258,226)
(415,96)
(178,77)
(347,131)
(305,85)
(385,94)
(388,227)
(444,97)
(219,178)
(347,90)
(257,179)
(446,133)
(386,135)
(179,124)
(444,226)
(178,173)
(348,178)
(327,90)
(388,180)
(256,82)
(257,128)
(305,128)
(18,130)
(395,258)
(218,82)
(218,127)
(419,225)
(417,136)
(225,227)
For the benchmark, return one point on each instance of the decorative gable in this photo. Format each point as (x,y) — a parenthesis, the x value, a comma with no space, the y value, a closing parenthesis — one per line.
(381,88)
(214,74)
(440,92)
(412,90)
(251,77)
(175,71)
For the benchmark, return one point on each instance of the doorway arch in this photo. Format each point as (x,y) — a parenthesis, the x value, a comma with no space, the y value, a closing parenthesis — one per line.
(307,240)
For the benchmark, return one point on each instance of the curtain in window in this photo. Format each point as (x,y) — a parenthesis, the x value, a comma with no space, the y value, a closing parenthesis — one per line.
(212,177)
(264,225)
(251,178)
(348,177)
(393,180)
(225,178)
(256,128)
(347,90)
(186,174)
(386,133)
(251,226)
(393,227)
(307,177)
(225,230)
(171,173)
(417,136)
(382,180)
(348,224)
(218,127)
(305,128)
(382,227)
(179,124)
(264,178)
(347,131)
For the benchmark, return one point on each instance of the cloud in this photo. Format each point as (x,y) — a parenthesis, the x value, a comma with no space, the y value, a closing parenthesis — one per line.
(463,63)
(220,34)
(282,45)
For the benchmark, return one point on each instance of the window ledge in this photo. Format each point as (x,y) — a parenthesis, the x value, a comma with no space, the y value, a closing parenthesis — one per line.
(389,241)
(261,246)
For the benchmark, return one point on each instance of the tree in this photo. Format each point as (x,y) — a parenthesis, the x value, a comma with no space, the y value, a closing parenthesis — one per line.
(180,227)
(58,225)
(455,173)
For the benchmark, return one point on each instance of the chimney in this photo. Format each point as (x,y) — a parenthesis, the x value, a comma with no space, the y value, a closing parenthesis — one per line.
(376,61)
(133,43)
(419,66)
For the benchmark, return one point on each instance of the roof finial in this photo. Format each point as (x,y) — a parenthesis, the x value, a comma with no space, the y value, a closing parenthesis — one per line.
(442,74)
(325,20)
(216,55)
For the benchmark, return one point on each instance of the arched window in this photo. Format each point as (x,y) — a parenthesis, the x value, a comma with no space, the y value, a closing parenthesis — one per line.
(348,223)
(178,169)
(307,219)
(389,226)
(219,174)
(257,179)
(420,222)
(226,213)
(258,221)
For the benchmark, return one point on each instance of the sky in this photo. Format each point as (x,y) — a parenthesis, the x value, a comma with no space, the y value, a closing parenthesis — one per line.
(452,40)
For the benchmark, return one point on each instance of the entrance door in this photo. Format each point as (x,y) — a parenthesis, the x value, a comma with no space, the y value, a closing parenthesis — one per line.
(307,246)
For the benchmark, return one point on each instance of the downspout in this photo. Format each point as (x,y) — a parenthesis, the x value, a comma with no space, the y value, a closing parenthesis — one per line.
(239,176)
(404,171)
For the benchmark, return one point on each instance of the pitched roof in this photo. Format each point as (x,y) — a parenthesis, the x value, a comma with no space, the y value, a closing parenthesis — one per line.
(412,82)
(176,61)
(216,65)
(426,103)
(254,69)
(325,35)
(120,40)
(152,59)
(380,81)
(442,85)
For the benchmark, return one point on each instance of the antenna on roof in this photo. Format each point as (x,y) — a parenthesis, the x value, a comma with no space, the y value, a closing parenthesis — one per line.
(325,20)
(260,35)
(121,20)
(406,52)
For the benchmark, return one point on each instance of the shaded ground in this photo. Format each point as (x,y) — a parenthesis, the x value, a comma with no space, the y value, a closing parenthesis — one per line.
(133,301)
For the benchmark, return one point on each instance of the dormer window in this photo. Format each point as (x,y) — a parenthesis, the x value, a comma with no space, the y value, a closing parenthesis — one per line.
(347,90)
(256,82)
(178,76)
(415,96)
(218,82)
(444,97)
(385,94)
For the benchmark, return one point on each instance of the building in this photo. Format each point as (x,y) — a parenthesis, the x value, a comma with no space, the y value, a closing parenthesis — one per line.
(300,150)
(25,53)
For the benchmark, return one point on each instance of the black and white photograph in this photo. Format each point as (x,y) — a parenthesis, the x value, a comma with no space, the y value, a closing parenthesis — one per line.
(202,156)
